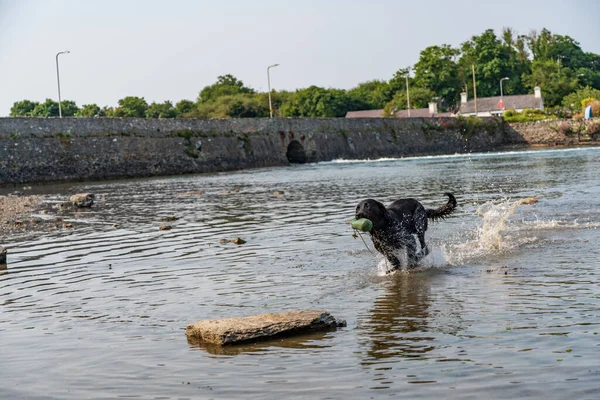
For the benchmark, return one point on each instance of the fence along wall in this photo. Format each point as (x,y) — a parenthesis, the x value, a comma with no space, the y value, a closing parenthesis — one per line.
(52,149)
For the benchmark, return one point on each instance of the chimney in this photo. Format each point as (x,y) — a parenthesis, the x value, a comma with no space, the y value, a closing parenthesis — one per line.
(538,92)
(432,108)
(463,97)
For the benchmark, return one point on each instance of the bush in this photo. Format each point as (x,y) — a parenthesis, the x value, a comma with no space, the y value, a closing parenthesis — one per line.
(585,102)
(573,101)
(592,127)
(528,115)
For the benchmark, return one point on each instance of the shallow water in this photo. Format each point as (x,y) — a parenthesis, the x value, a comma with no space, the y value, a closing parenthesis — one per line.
(506,306)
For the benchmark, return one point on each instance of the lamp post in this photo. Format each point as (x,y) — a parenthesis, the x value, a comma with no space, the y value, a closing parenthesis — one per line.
(269,86)
(503,79)
(58,81)
(407,95)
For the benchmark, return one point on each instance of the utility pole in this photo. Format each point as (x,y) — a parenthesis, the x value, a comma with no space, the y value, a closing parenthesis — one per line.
(407,95)
(269,86)
(474,88)
(58,81)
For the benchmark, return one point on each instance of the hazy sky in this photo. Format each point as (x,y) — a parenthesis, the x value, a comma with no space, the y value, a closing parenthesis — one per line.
(170,50)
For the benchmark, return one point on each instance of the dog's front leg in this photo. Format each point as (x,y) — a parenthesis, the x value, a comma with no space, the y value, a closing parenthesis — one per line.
(392,259)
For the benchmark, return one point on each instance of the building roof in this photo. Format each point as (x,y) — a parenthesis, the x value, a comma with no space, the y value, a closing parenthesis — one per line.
(420,113)
(414,113)
(365,114)
(490,104)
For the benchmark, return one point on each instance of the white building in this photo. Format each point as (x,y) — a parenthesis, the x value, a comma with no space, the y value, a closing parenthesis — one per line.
(488,106)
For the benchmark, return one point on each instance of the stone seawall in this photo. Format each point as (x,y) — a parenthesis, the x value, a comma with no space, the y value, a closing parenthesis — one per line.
(52,149)
(553,133)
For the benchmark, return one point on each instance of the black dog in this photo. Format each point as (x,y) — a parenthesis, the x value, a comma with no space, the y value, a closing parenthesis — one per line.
(394,227)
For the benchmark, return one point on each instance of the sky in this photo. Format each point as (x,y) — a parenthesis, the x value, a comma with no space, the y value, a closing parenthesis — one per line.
(170,50)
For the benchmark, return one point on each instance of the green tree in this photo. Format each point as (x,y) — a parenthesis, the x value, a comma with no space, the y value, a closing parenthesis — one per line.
(437,71)
(374,94)
(231,106)
(419,98)
(398,81)
(49,108)
(548,46)
(555,80)
(318,102)
(23,108)
(226,85)
(491,60)
(517,63)
(161,110)
(573,100)
(88,110)
(184,106)
(131,107)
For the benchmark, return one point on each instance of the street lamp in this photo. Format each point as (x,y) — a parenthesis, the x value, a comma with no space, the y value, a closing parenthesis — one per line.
(407,95)
(503,79)
(269,86)
(58,81)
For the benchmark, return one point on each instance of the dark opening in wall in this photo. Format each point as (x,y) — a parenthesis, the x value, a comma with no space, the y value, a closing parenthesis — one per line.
(295,153)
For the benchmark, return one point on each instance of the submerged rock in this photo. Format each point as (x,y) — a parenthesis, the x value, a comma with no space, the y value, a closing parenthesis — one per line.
(529,201)
(82,199)
(165,227)
(238,240)
(260,327)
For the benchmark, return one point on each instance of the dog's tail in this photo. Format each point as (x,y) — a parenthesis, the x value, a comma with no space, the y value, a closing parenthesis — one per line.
(443,211)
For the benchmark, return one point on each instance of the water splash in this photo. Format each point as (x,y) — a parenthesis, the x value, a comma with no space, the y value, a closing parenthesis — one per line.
(493,236)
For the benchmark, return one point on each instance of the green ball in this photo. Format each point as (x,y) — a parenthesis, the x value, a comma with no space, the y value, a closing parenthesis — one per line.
(362,224)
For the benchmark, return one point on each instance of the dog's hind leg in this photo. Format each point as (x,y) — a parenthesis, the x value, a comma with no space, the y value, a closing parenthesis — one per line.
(411,251)
(424,249)
(420,228)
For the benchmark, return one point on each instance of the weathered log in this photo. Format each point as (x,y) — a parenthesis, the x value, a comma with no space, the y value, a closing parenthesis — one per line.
(82,199)
(260,327)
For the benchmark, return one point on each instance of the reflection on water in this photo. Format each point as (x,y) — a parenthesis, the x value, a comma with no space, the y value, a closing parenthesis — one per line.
(403,318)
(304,341)
(508,302)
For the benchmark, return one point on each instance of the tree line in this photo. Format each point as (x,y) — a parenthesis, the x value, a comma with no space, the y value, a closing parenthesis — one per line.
(556,63)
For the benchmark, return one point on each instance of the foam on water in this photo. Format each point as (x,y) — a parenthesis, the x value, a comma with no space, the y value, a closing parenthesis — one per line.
(452,156)
(436,258)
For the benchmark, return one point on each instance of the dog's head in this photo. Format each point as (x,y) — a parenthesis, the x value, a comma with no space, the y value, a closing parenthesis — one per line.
(371,209)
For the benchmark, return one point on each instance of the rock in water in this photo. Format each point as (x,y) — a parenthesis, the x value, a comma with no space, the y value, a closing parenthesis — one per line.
(259,327)
(2,255)
(529,201)
(82,199)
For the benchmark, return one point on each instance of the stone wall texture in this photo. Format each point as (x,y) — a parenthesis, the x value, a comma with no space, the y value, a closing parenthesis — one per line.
(53,149)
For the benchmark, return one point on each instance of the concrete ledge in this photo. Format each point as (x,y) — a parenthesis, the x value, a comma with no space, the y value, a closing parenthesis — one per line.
(260,327)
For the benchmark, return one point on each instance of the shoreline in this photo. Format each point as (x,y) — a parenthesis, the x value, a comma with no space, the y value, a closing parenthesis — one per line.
(8,188)
(23,215)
